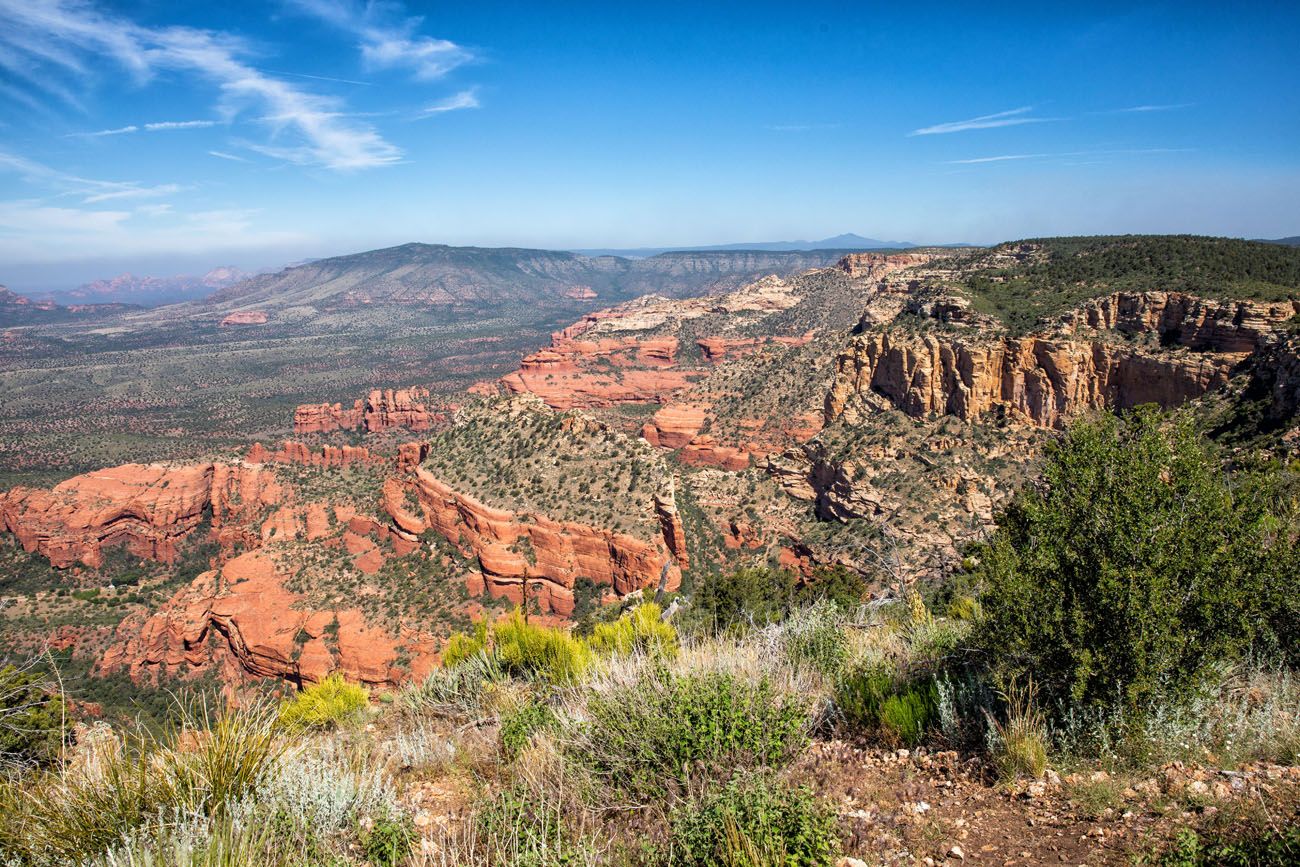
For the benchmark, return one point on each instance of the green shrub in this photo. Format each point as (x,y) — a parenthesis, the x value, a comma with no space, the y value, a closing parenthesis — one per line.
(814,637)
(1269,846)
(461,647)
(520,724)
(843,587)
(389,841)
(452,692)
(641,630)
(1135,565)
(753,823)
(325,704)
(740,599)
(33,719)
(875,699)
(662,728)
(527,650)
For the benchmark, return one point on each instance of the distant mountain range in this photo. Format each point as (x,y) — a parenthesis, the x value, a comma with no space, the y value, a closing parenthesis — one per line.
(847,241)
(151,291)
(435,276)
(1293,241)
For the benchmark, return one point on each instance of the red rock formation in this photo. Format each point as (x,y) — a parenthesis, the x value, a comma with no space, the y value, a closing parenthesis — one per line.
(715,349)
(674,425)
(149,508)
(327,417)
(242,620)
(581,373)
(299,453)
(244,317)
(704,450)
(580,293)
(383,409)
(410,455)
(514,549)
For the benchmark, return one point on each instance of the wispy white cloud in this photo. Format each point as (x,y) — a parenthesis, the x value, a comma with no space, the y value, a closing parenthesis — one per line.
(225,156)
(134,192)
(997,159)
(148,127)
(91,189)
(179,124)
(455,102)
(1109,152)
(58,33)
(101,133)
(27,217)
(1011,117)
(388,39)
(1135,109)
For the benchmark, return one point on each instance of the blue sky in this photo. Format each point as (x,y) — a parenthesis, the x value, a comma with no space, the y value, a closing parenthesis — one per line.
(166,136)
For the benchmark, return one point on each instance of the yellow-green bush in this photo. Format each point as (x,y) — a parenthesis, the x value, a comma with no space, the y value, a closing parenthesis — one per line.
(640,630)
(461,647)
(527,650)
(325,704)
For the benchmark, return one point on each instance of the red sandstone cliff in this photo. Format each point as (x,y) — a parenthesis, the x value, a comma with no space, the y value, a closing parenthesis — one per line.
(382,409)
(261,629)
(513,548)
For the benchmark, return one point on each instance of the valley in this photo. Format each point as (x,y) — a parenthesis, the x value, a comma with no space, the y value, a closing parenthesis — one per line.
(872,415)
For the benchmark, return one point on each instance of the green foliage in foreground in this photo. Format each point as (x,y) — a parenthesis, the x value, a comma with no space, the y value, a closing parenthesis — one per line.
(520,724)
(641,630)
(72,819)
(737,600)
(33,719)
(1136,565)
(1263,847)
(879,701)
(644,736)
(539,652)
(325,704)
(754,823)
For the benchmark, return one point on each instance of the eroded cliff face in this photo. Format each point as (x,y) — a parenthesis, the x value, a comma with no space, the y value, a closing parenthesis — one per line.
(381,410)
(1118,351)
(242,621)
(525,554)
(149,508)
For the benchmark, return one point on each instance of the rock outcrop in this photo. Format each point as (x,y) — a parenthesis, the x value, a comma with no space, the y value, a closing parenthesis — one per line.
(877,266)
(1044,380)
(244,317)
(585,373)
(528,554)
(149,509)
(242,620)
(382,409)
(292,452)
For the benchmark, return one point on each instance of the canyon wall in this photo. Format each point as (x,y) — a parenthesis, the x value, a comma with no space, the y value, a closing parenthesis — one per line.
(522,553)
(381,410)
(1092,361)
(241,619)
